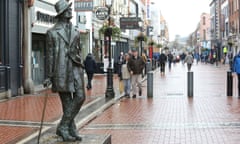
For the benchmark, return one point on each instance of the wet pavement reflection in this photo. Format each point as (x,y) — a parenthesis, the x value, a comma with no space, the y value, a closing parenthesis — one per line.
(171,117)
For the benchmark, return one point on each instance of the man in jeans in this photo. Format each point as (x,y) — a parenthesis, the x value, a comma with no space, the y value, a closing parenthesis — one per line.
(136,65)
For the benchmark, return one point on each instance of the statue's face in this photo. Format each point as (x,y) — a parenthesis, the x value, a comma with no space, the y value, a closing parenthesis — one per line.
(68,13)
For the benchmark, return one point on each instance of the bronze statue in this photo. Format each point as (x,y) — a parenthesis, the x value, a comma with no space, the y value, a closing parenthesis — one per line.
(65,69)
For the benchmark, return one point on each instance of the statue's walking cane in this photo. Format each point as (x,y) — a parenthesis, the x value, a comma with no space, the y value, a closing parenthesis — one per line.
(43,112)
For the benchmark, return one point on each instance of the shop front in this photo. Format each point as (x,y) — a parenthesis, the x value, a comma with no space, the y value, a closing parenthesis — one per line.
(43,18)
(10,48)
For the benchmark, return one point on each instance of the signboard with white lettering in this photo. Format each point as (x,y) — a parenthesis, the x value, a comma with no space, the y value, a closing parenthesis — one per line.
(83,5)
(129,22)
(102,13)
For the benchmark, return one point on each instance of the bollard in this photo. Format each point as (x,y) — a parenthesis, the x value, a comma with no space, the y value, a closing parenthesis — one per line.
(150,84)
(190,84)
(149,67)
(229,84)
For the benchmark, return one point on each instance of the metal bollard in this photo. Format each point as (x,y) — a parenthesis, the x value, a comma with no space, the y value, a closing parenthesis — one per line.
(150,84)
(149,66)
(190,84)
(229,84)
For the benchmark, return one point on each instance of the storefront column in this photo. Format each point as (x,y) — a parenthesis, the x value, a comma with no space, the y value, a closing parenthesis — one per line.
(27,51)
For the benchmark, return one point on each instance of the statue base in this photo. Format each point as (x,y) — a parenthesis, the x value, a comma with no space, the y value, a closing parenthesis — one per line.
(51,138)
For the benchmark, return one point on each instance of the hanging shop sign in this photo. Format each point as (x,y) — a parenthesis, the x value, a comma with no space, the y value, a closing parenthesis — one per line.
(102,13)
(129,22)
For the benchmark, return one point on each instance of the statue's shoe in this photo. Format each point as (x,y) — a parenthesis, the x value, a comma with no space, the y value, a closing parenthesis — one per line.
(65,136)
(75,135)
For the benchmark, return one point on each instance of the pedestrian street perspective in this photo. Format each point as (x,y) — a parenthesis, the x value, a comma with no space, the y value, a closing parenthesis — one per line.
(119,71)
(169,117)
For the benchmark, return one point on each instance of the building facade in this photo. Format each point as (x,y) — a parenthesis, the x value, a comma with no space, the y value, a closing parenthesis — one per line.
(234,27)
(216,37)
(204,31)
(224,22)
(11,62)
(164,33)
(42,18)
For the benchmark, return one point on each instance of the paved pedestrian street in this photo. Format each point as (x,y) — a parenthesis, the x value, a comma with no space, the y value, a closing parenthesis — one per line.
(171,117)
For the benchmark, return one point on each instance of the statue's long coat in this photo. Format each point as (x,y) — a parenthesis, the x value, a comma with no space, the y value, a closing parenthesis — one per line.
(62,47)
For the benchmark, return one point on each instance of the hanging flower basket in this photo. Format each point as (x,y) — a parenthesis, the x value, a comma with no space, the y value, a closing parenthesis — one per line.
(230,43)
(159,46)
(141,37)
(151,43)
(116,32)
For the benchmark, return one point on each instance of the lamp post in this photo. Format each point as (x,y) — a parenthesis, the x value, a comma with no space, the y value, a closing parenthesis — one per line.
(141,37)
(109,91)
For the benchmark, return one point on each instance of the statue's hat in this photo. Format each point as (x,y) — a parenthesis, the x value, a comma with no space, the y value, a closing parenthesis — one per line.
(61,6)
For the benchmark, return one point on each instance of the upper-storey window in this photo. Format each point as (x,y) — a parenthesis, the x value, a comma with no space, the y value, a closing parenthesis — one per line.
(204,20)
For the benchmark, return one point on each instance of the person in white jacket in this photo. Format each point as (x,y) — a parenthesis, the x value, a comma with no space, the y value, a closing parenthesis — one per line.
(189,60)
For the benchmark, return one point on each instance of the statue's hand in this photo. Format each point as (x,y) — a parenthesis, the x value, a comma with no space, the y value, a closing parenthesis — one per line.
(47,82)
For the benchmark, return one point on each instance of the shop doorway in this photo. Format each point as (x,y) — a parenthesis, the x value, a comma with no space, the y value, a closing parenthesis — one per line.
(38,61)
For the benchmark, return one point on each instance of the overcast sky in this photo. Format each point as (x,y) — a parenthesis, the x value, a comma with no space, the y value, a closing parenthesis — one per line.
(182,16)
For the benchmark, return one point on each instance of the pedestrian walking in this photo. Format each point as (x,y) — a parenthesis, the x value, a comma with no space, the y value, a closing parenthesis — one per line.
(197,57)
(189,60)
(65,69)
(90,67)
(170,60)
(182,57)
(136,65)
(225,51)
(126,76)
(236,69)
(162,61)
(120,62)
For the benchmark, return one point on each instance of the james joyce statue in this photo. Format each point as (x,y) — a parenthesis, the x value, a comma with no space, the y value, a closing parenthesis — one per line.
(65,69)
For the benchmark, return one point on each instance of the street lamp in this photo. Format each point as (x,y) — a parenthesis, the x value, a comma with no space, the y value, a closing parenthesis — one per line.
(141,37)
(108,33)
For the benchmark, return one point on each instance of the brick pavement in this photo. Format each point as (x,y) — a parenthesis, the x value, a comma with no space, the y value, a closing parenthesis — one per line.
(21,116)
(171,117)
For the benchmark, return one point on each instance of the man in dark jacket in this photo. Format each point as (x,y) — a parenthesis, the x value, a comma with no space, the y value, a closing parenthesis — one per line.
(170,59)
(136,65)
(162,61)
(90,67)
